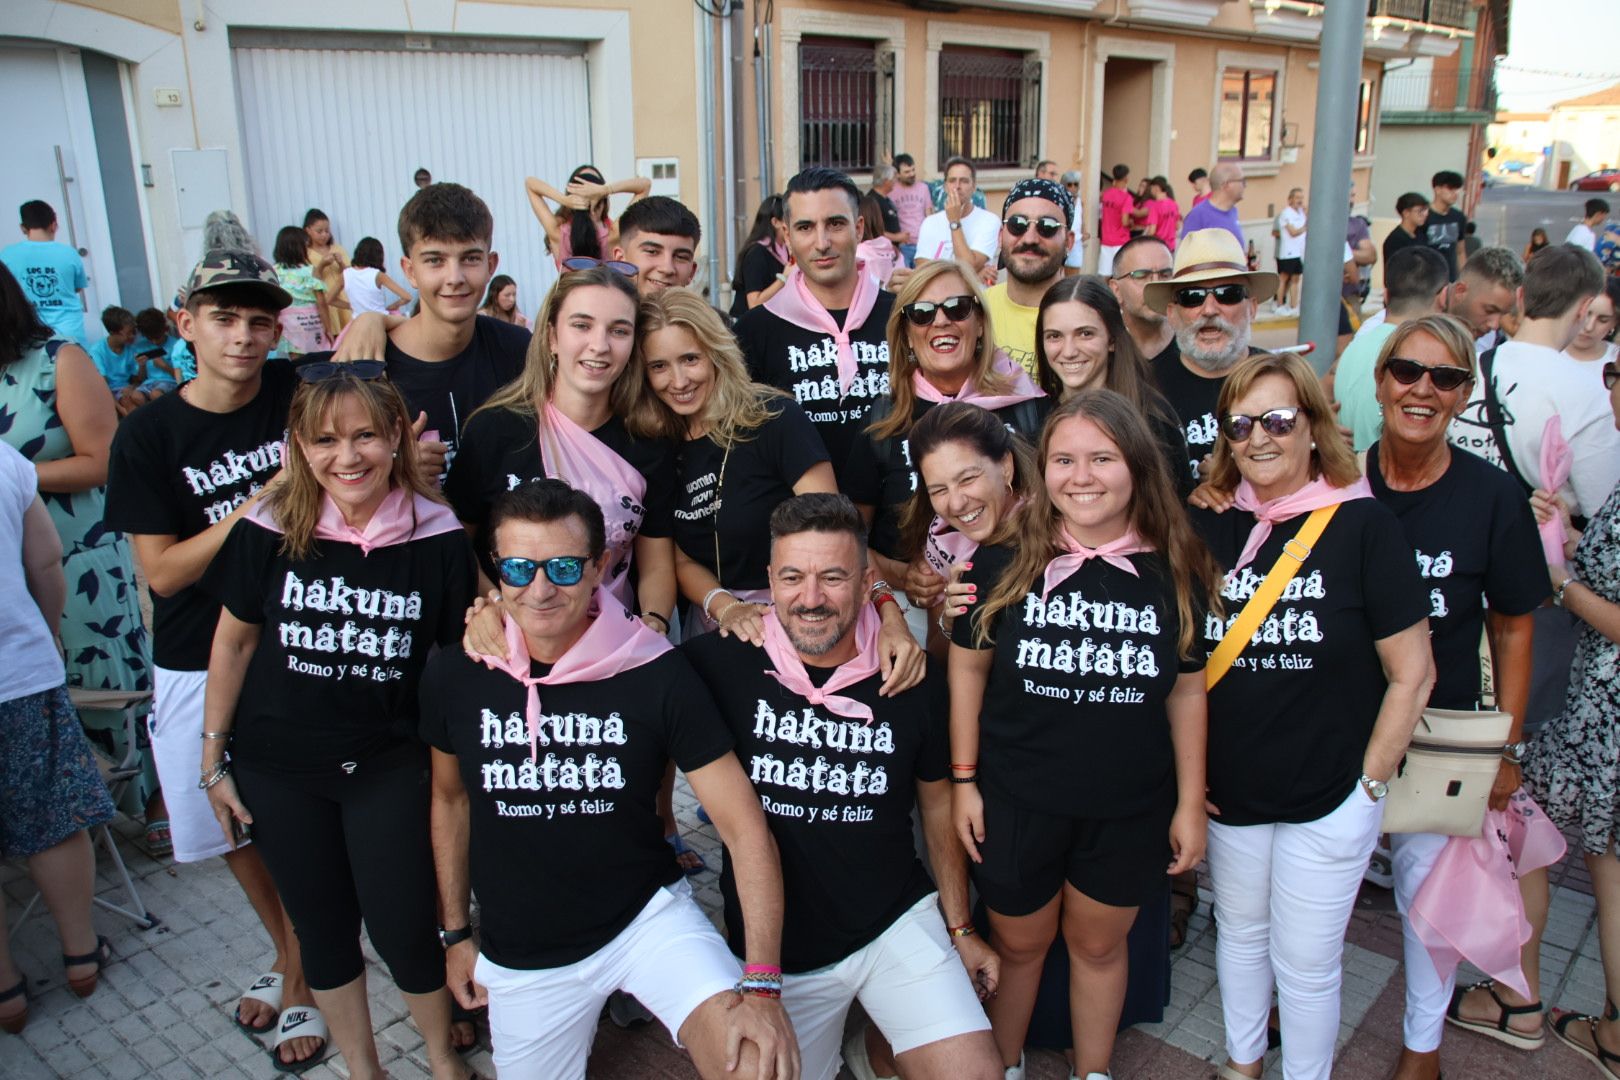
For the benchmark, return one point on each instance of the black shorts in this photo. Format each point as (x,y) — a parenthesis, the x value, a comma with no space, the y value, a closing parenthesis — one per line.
(1028,855)
(1290,266)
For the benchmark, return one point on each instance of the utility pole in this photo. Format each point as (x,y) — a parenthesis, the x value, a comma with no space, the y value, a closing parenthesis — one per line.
(1343,23)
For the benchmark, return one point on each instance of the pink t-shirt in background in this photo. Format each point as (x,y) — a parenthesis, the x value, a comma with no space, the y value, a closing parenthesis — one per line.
(1116,202)
(1164,219)
(912,204)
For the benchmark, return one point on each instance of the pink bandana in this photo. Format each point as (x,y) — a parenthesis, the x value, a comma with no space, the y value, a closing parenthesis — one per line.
(946,547)
(395,521)
(1556,459)
(614,642)
(789,669)
(583,460)
(1313,496)
(1023,387)
(794,303)
(1114,553)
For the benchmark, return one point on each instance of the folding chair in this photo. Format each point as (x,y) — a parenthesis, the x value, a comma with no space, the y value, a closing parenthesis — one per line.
(117,775)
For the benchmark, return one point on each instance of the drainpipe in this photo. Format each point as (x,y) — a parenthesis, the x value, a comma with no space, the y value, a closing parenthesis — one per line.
(711,213)
(736,130)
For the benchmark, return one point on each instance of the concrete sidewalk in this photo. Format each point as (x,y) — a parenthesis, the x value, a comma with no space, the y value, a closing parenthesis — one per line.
(164,1005)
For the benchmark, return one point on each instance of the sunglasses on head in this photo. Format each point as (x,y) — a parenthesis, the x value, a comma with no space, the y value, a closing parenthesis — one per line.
(562,570)
(1611,375)
(1193,296)
(1276,422)
(1443,376)
(585,262)
(956,309)
(1046,225)
(1147,274)
(326,370)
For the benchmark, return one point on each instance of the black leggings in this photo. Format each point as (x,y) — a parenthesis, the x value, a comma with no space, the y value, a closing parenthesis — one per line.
(341,846)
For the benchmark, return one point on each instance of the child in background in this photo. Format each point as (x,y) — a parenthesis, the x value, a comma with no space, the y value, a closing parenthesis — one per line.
(303,324)
(165,354)
(365,286)
(328,259)
(115,359)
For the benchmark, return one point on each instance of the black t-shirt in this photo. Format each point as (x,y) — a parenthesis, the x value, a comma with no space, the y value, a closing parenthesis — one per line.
(879,472)
(449,391)
(1289,724)
(500,451)
(1193,398)
(567,849)
(1444,232)
(758,475)
(891,216)
(175,470)
(1074,720)
(756,270)
(805,364)
(1399,238)
(1474,536)
(838,795)
(345,637)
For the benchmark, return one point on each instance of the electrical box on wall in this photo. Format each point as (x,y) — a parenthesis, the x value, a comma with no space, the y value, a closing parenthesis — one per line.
(665,174)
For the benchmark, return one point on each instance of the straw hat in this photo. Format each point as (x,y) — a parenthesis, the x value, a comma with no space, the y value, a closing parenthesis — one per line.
(1208,255)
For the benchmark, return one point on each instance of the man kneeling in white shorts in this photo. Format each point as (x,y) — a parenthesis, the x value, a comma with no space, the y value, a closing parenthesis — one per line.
(838,769)
(546,768)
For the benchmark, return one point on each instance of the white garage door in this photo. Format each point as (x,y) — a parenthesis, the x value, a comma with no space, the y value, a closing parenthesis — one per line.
(344,127)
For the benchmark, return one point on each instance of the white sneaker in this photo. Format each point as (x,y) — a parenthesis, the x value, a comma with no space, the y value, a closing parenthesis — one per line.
(1015,1072)
(856,1059)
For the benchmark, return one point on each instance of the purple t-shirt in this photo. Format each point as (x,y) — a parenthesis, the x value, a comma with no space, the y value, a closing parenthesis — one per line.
(1206,215)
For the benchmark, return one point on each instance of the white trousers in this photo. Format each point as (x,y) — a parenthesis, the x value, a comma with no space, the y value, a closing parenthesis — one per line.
(1105,258)
(1428,991)
(1283,895)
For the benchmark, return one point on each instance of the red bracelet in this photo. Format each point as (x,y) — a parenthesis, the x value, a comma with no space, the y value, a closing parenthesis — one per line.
(884,598)
(965,930)
(969,768)
(762,969)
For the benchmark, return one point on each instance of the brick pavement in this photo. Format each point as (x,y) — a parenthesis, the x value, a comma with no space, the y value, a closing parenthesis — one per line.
(164,1006)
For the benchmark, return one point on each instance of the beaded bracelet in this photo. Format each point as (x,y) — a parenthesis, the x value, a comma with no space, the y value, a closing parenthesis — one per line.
(209,779)
(974,779)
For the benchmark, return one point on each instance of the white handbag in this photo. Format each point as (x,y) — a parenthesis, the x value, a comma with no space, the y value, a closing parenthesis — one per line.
(1443,785)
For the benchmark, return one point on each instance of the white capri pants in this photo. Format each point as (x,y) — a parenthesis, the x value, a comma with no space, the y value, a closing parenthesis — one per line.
(176,726)
(1283,896)
(1428,990)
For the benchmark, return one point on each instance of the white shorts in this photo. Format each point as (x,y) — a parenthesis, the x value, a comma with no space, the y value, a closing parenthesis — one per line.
(176,724)
(542,1022)
(1105,259)
(910,982)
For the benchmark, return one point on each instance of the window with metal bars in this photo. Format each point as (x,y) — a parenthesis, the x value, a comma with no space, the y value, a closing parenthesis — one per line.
(846,103)
(1247,101)
(989,107)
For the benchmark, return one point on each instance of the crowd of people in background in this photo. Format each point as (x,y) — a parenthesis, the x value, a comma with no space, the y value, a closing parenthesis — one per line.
(927,521)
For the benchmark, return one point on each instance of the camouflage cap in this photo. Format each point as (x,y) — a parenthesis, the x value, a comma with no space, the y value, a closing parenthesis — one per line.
(219,268)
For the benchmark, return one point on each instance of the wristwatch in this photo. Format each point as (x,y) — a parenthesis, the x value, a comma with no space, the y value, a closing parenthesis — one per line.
(1514,752)
(1376,788)
(448,938)
(956,226)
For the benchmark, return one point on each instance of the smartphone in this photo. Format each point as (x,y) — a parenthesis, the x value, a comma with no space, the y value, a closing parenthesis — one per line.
(241,831)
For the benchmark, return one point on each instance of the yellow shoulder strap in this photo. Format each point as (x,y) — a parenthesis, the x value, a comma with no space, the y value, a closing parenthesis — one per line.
(1294,554)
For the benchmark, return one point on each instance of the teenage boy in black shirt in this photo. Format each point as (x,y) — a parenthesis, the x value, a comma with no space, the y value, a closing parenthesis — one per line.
(659,236)
(1444,228)
(838,769)
(182,470)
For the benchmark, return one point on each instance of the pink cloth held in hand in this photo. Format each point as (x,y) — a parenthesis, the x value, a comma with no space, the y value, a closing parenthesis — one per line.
(1556,460)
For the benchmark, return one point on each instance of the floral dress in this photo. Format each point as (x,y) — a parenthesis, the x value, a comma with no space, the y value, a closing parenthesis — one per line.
(1574,767)
(102,632)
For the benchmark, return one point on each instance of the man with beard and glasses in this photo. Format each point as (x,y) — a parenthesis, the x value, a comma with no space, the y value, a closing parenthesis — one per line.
(1037,223)
(838,769)
(1142,260)
(1209,300)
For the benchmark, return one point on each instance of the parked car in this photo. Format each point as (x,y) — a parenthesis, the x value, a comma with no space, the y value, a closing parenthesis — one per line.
(1516,167)
(1602,180)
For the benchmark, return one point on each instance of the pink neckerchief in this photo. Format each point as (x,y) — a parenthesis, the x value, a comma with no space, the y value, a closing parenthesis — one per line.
(1313,496)
(614,642)
(794,303)
(1556,459)
(586,462)
(1023,387)
(1469,907)
(789,669)
(399,518)
(1114,553)
(946,547)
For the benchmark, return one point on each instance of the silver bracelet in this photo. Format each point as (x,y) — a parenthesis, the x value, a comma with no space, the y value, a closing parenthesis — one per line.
(709,598)
(209,779)
(216,734)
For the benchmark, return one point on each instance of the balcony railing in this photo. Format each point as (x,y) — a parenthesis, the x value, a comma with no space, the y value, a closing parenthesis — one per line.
(1453,13)
(1444,90)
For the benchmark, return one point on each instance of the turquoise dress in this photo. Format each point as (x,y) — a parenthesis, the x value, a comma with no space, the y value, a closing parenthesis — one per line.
(102,632)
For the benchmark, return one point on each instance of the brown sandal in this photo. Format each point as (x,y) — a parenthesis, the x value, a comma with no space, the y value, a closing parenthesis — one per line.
(85,985)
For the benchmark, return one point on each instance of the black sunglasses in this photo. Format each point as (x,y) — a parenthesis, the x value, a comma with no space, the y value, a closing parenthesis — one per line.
(1193,296)
(585,262)
(326,370)
(1611,375)
(1046,225)
(562,570)
(956,309)
(1276,422)
(1147,274)
(1444,376)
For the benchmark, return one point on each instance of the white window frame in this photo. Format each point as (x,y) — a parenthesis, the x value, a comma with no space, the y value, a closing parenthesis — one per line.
(1163,56)
(1252,61)
(800,23)
(941,34)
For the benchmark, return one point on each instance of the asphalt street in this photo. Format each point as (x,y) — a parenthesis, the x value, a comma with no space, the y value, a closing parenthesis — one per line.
(1507,213)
